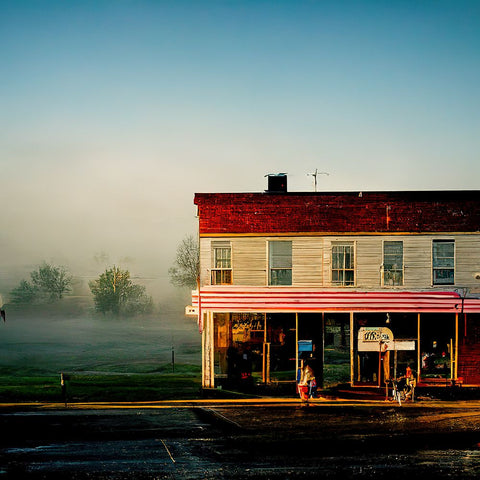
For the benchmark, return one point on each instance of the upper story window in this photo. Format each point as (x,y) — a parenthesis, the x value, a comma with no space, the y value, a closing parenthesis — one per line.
(222,264)
(393,263)
(443,262)
(280,263)
(343,264)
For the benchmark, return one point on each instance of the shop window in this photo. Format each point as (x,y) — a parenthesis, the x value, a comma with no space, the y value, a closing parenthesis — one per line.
(443,262)
(343,264)
(222,264)
(280,263)
(393,263)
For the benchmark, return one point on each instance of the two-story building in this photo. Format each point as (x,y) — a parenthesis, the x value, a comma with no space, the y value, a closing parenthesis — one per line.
(390,278)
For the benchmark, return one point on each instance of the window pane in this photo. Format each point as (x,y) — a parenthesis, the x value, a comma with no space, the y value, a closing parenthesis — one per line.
(343,264)
(221,277)
(443,277)
(443,249)
(338,277)
(280,254)
(393,263)
(337,258)
(348,257)
(222,257)
(443,259)
(393,248)
(281,277)
(349,278)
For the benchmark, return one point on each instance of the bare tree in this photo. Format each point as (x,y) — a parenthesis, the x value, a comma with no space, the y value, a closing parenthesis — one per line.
(186,268)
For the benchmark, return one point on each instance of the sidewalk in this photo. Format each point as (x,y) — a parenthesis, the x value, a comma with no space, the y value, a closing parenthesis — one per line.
(321,402)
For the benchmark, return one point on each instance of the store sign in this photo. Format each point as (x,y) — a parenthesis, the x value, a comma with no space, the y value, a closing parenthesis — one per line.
(380,339)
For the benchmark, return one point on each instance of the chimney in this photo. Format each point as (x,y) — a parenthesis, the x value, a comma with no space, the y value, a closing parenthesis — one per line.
(277,183)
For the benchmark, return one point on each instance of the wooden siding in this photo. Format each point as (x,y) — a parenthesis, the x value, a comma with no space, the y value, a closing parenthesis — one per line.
(467,256)
(307,258)
(417,261)
(311,257)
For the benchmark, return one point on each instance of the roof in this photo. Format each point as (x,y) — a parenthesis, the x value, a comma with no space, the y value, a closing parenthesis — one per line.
(339,212)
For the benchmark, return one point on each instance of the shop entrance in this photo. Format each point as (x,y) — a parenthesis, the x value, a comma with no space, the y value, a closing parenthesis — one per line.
(254,348)
(386,344)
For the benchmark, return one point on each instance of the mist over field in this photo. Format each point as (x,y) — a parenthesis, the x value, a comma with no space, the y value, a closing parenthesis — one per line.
(47,341)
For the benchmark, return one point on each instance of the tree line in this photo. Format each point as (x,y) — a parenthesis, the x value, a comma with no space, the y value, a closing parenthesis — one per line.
(113,291)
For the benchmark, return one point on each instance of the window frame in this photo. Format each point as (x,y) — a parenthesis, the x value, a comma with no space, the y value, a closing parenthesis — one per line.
(221,274)
(352,268)
(437,268)
(280,268)
(402,270)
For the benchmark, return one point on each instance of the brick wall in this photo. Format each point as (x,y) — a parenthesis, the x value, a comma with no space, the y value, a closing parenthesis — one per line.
(257,213)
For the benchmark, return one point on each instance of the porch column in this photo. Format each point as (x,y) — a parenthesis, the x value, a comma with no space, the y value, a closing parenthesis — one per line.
(296,345)
(419,353)
(455,374)
(208,351)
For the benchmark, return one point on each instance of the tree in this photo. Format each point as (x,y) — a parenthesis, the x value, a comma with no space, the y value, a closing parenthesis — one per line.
(48,284)
(114,292)
(186,268)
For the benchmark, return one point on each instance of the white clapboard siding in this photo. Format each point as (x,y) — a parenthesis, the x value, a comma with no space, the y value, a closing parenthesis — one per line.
(369,251)
(311,259)
(205,260)
(307,257)
(417,261)
(249,258)
(467,260)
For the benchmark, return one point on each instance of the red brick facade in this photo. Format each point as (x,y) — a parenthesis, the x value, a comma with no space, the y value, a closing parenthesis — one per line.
(342,212)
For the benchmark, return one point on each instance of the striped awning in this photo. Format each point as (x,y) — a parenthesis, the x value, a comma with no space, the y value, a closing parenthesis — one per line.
(289,299)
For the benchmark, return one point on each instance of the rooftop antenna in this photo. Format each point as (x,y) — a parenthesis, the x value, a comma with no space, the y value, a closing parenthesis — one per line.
(315,174)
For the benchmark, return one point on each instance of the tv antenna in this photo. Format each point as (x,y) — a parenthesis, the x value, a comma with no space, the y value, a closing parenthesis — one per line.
(315,174)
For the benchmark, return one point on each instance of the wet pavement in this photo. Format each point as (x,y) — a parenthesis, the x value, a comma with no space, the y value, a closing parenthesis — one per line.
(240,440)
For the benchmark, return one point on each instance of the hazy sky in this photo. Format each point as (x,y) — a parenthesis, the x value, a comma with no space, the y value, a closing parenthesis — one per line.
(114,113)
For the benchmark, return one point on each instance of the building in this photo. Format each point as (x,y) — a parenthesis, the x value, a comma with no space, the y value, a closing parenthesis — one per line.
(390,279)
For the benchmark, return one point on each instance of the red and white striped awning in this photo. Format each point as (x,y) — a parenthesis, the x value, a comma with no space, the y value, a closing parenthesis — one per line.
(289,299)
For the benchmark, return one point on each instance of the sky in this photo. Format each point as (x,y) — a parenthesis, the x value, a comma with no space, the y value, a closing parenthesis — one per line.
(114,113)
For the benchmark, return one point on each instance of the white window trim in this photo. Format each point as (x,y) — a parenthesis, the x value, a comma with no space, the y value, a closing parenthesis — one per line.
(454,262)
(344,242)
(267,279)
(215,245)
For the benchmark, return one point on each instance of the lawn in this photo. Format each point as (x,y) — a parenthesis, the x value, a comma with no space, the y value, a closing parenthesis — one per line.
(105,359)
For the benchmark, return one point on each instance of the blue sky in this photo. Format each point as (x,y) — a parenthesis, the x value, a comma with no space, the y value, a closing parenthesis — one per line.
(113,113)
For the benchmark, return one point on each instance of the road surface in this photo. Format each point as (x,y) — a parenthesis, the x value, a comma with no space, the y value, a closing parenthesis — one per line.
(270,439)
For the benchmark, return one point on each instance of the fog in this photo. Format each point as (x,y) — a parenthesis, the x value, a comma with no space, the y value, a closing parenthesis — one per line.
(46,343)
(115,113)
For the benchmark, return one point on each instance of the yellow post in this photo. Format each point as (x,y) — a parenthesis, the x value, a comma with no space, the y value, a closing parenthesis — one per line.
(296,345)
(419,359)
(456,346)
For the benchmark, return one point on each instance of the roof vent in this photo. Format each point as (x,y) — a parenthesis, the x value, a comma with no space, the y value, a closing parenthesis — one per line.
(277,183)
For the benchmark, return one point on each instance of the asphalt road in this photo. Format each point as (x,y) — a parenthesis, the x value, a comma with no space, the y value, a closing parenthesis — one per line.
(241,440)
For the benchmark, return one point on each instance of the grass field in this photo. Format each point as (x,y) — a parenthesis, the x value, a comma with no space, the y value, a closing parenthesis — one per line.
(106,359)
